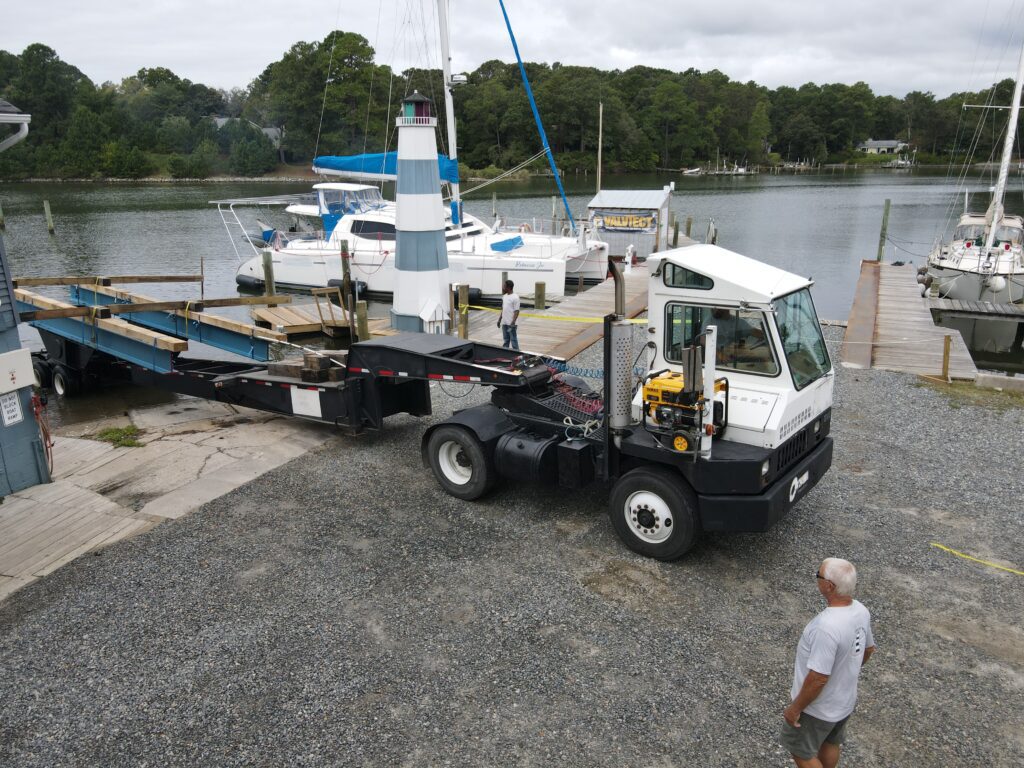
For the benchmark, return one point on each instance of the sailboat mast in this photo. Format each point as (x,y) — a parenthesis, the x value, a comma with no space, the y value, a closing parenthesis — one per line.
(449,102)
(996,209)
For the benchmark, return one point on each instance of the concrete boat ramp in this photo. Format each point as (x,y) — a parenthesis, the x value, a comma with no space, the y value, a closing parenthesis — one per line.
(192,452)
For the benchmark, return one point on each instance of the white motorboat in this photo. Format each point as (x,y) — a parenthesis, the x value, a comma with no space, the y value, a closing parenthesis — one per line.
(984,260)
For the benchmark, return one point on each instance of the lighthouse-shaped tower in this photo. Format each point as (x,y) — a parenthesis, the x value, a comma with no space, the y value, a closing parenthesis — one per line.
(422,282)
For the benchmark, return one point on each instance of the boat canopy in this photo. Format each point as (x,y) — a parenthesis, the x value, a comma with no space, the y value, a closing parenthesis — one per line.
(377,166)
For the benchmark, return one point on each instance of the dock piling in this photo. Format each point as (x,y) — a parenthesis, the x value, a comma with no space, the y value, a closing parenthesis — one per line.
(947,342)
(270,287)
(362,324)
(463,310)
(689,225)
(49,216)
(3,223)
(885,229)
(539,290)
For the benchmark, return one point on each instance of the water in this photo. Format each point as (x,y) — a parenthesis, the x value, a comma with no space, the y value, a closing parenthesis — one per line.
(817,225)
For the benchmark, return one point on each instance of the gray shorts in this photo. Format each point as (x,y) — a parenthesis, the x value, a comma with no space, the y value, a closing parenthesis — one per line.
(805,741)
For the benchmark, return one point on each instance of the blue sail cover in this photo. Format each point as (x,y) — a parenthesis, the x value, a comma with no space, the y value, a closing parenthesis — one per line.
(380,165)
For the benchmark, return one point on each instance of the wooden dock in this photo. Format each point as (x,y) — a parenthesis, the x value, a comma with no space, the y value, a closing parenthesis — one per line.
(891,327)
(567,338)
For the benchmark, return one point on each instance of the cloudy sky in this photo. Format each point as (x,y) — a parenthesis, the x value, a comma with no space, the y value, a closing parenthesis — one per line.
(895,46)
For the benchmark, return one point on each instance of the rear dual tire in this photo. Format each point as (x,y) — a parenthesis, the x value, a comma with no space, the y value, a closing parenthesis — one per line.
(460,463)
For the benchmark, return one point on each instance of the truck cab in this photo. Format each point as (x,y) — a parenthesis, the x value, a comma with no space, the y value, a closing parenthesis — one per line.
(769,345)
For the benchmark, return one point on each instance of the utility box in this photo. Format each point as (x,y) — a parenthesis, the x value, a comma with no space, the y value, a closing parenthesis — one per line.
(638,217)
(22,455)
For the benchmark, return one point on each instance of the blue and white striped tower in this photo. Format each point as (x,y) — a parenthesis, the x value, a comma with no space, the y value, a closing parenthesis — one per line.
(422,282)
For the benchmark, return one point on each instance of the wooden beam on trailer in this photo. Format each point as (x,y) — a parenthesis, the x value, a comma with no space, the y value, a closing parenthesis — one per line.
(114,325)
(215,321)
(155,306)
(229,335)
(240,301)
(32,282)
(52,314)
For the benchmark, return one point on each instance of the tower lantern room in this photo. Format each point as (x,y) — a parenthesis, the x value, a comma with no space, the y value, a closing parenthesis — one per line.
(417,109)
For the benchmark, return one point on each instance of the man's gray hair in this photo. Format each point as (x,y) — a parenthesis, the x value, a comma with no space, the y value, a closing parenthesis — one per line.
(841,573)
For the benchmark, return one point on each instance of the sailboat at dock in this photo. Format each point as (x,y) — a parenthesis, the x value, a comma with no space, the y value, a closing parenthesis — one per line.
(984,260)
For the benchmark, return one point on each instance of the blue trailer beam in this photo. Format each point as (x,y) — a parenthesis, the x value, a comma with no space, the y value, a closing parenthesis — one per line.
(85,333)
(174,324)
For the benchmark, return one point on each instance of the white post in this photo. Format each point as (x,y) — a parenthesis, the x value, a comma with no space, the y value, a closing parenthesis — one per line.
(707,417)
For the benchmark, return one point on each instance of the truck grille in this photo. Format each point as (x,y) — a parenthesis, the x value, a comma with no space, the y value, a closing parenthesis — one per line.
(791,450)
(799,444)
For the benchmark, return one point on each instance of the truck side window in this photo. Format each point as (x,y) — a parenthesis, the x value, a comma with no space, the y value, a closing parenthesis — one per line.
(744,342)
(681,277)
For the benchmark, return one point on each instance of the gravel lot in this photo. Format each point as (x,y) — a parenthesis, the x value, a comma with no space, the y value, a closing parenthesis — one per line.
(342,610)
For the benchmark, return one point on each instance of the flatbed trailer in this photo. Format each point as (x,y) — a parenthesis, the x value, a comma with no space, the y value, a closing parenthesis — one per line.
(672,474)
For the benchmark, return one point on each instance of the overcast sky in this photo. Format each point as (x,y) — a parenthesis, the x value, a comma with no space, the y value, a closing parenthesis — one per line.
(896,46)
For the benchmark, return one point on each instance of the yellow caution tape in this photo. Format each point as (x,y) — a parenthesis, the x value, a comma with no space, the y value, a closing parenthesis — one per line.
(944,548)
(564,318)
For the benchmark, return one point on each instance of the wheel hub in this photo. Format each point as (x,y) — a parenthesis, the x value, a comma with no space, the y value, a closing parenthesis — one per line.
(649,517)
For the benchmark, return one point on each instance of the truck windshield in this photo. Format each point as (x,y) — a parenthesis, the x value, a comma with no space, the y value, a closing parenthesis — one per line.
(802,342)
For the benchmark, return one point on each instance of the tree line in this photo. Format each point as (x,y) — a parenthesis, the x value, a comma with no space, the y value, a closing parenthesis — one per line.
(331,97)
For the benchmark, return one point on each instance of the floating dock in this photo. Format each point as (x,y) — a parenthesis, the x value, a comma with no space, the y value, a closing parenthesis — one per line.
(891,328)
(554,332)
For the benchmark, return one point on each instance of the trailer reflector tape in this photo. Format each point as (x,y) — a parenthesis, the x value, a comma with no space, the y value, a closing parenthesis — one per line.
(446,377)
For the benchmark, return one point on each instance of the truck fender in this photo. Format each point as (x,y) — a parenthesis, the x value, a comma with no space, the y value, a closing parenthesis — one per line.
(486,422)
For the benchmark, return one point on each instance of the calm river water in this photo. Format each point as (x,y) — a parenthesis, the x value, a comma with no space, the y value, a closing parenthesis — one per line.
(819,225)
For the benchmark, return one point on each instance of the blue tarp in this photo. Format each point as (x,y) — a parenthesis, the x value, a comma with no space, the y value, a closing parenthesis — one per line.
(382,164)
(504,246)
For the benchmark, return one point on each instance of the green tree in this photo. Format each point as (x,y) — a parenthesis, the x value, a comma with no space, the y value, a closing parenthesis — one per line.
(81,150)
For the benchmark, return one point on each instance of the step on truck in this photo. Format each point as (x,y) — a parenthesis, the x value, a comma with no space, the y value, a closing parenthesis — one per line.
(714,417)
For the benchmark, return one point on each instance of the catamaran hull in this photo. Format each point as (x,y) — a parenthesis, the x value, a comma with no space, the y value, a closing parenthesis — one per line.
(377,271)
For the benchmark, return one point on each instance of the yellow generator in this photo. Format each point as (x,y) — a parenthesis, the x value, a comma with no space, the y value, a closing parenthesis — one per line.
(672,411)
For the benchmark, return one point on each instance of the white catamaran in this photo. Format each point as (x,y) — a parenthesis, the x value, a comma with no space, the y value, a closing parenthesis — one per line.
(984,260)
(357,215)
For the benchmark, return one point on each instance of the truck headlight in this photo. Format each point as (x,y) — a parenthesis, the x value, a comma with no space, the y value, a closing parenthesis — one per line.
(765,467)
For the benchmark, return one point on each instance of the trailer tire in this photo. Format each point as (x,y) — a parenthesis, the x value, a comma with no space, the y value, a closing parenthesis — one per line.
(654,512)
(41,371)
(65,382)
(460,463)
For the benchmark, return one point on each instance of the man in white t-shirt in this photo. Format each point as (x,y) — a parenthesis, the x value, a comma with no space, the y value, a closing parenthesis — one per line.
(832,649)
(509,316)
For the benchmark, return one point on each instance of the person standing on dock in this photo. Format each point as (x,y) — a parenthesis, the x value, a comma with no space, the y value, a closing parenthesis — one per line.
(509,316)
(832,649)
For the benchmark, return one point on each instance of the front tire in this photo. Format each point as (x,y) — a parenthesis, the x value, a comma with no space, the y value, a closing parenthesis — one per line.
(459,463)
(654,512)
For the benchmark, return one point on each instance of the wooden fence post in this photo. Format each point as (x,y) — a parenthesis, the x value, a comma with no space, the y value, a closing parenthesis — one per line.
(463,310)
